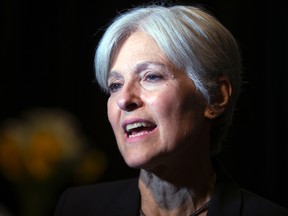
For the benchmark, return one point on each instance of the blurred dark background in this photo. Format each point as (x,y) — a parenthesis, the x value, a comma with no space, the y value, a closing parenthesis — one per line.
(47,52)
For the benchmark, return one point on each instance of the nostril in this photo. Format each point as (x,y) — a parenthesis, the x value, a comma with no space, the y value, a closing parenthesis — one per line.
(128,105)
(131,106)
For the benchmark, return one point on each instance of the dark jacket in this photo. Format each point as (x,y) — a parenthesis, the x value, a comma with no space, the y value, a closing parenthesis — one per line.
(122,198)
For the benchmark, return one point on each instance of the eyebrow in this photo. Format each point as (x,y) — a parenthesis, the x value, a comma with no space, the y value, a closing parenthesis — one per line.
(138,68)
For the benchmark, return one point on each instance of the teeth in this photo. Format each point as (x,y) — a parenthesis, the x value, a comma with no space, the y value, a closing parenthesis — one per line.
(137,134)
(130,127)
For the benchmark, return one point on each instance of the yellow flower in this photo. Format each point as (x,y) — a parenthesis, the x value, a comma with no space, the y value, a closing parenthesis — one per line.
(10,156)
(42,144)
(43,154)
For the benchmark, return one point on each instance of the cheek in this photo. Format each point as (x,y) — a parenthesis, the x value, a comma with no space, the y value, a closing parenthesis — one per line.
(177,111)
(165,108)
(111,112)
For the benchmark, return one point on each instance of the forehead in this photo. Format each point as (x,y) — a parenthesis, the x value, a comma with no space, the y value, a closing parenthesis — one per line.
(138,47)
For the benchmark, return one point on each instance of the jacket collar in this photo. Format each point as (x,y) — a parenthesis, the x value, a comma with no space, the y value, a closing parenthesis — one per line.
(128,203)
(225,201)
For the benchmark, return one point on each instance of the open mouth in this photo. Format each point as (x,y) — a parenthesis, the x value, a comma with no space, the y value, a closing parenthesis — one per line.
(139,129)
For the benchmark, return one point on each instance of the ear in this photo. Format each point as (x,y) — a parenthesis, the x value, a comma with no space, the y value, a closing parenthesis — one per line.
(220,100)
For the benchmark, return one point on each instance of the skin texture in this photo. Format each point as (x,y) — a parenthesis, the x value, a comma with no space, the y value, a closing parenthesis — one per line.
(172,150)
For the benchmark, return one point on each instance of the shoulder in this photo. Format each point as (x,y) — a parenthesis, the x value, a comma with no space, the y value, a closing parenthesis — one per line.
(96,198)
(229,198)
(253,204)
(107,187)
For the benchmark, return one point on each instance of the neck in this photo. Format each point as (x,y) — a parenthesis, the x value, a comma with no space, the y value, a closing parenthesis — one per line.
(166,191)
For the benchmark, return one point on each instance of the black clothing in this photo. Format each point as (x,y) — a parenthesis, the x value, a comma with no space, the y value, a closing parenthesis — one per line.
(122,198)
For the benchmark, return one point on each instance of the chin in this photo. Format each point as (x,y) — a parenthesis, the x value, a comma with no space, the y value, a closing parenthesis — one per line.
(140,163)
(136,161)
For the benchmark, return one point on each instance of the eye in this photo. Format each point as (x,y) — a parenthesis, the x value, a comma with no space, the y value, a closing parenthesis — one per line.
(153,77)
(114,87)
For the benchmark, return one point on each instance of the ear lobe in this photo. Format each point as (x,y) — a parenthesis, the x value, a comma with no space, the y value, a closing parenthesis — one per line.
(220,100)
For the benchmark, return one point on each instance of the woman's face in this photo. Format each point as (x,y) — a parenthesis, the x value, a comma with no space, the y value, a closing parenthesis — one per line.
(155,112)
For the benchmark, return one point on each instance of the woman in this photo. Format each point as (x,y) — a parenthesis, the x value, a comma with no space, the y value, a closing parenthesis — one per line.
(173,75)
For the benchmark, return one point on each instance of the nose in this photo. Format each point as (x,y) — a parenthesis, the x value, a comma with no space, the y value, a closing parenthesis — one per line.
(129,98)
